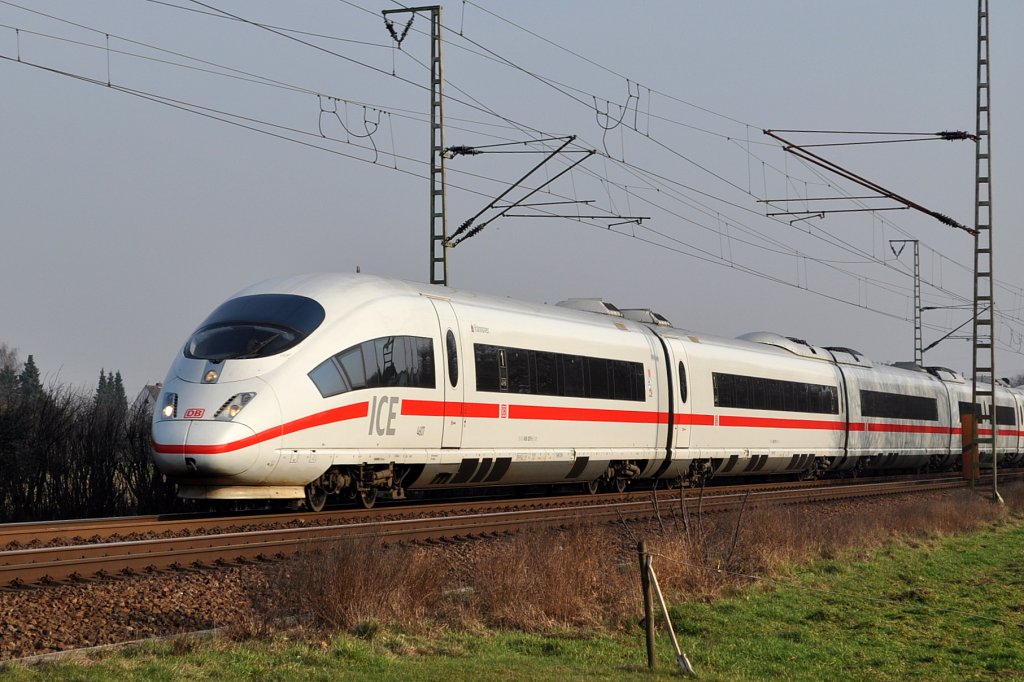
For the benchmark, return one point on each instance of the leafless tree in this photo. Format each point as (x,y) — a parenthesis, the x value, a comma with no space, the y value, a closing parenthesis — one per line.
(66,454)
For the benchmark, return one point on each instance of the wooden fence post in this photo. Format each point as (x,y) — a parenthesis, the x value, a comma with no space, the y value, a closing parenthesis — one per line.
(645,584)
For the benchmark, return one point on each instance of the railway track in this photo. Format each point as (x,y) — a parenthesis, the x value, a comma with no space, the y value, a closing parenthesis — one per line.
(38,534)
(215,541)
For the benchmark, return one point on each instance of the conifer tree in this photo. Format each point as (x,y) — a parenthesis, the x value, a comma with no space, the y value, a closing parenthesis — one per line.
(101,387)
(28,380)
(110,389)
(116,388)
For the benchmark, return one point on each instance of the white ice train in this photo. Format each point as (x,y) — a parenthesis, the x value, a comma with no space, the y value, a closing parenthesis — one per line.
(315,385)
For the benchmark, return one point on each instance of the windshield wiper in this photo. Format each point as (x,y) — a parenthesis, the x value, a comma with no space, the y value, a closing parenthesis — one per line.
(255,350)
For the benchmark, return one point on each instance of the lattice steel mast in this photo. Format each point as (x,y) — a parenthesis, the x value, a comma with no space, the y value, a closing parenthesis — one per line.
(918,340)
(984,290)
(918,350)
(438,210)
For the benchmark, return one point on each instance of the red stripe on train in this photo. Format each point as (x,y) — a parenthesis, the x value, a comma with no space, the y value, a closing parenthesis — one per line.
(586,414)
(779,423)
(338,414)
(438,408)
(1002,432)
(907,428)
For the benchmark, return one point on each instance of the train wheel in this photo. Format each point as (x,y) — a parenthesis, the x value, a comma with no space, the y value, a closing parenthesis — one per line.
(367,498)
(316,497)
(592,486)
(620,485)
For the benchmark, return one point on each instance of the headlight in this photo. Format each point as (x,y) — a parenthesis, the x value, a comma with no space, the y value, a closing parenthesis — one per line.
(230,409)
(169,408)
(211,377)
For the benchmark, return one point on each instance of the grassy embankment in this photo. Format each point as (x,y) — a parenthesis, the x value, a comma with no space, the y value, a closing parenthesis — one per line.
(928,591)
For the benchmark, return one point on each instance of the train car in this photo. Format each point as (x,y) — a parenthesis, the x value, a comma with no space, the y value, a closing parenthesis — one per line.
(308,386)
(314,385)
(899,418)
(1008,417)
(757,405)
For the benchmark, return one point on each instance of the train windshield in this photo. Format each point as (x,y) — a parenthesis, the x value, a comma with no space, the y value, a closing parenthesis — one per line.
(255,327)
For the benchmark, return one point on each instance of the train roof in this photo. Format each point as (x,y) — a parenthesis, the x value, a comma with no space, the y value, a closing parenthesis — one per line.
(339,292)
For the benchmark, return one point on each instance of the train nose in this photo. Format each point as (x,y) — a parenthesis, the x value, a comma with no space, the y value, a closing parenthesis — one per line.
(204,449)
(209,434)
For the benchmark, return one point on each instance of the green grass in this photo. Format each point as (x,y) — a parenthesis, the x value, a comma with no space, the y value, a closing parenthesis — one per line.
(947,609)
(941,609)
(392,656)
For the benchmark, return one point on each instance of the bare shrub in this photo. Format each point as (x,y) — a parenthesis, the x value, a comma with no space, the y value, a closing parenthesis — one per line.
(589,575)
(729,550)
(547,578)
(65,453)
(348,583)
(685,566)
(1013,496)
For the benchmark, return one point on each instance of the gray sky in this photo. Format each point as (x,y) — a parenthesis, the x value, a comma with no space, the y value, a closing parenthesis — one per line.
(128,220)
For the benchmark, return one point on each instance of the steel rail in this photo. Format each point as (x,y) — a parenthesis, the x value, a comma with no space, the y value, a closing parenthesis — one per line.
(55,564)
(95,530)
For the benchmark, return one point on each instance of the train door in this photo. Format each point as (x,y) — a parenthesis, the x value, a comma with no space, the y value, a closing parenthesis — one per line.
(1018,442)
(682,399)
(453,375)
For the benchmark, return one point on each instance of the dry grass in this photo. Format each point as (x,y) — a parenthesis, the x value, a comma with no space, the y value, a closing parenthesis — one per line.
(350,585)
(545,579)
(589,576)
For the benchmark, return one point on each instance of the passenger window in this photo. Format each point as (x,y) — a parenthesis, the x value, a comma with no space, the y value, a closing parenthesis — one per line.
(622,382)
(486,367)
(598,374)
(352,369)
(545,380)
(634,373)
(453,360)
(418,368)
(380,363)
(682,383)
(328,379)
(372,362)
(525,371)
(518,370)
(421,361)
(572,370)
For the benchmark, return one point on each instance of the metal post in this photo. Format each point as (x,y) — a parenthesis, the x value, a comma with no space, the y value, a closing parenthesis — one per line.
(645,585)
(918,351)
(438,208)
(984,290)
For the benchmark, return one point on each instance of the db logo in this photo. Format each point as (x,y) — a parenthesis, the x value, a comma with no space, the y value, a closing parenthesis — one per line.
(194,413)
